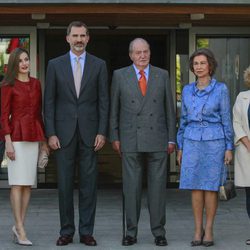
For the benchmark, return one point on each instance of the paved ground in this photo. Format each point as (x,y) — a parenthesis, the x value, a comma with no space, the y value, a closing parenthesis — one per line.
(232,226)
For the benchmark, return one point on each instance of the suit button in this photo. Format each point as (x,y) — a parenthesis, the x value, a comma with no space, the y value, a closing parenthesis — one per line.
(151,128)
(138,127)
(133,101)
(205,124)
(154,101)
(138,114)
(151,114)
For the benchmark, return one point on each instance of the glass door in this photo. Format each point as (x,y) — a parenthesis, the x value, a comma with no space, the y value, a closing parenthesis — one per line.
(233,57)
(231,48)
(11,38)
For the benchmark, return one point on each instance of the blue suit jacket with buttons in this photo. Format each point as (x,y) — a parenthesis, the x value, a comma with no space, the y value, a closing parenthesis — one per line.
(142,123)
(206,114)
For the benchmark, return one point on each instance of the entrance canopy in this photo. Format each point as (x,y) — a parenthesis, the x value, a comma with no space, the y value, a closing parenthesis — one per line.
(115,14)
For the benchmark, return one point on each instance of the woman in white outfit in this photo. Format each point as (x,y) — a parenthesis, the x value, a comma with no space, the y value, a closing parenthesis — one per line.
(22,126)
(241,122)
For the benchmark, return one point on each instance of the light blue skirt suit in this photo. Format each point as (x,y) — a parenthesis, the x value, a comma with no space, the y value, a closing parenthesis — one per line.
(204,134)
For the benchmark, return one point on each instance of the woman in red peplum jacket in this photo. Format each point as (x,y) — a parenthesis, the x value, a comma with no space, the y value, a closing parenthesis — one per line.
(23,129)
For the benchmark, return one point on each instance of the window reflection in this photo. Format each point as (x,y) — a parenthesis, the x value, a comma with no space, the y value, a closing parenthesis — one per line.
(7,44)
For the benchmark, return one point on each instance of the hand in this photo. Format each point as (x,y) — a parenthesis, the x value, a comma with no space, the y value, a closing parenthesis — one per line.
(246,142)
(54,142)
(171,148)
(179,157)
(10,151)
(99,142)
(117,146)
(228,157)
(44,147)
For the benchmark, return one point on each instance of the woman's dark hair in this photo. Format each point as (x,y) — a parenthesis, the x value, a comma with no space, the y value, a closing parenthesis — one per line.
(210,58)
(13,66)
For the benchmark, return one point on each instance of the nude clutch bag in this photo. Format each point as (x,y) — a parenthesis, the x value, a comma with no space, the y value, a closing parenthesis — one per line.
(43,159)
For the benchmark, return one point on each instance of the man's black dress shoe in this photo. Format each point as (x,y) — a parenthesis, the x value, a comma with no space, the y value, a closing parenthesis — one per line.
(64,240)
(160,241)
(129,241)
(88,240)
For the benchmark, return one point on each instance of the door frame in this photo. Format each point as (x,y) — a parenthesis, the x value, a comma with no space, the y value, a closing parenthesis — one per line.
(170,54)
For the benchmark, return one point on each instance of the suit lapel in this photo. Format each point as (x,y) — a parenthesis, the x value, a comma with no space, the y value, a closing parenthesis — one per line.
(88,68)
(246,100)
(67,69)
(68,73)
(153,75)
(133,82)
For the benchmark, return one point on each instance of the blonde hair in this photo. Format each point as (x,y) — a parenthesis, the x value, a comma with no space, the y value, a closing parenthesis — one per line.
(247,76)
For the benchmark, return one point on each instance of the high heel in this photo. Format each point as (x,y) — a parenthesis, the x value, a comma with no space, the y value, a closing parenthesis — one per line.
(17,239)
(196,243)
(207,243)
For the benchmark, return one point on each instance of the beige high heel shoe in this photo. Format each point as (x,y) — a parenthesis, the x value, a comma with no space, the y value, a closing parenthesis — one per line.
(17,239)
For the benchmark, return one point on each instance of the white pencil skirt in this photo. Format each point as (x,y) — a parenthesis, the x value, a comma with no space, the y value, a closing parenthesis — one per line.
(23,170)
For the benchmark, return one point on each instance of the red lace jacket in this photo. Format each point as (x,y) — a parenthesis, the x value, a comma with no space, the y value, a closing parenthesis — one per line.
(21,111)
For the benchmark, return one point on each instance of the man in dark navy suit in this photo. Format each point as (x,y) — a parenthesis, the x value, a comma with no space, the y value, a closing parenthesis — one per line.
(76,107)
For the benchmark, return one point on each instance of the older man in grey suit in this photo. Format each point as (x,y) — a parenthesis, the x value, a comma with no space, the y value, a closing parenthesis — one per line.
(142,131)
(76,107)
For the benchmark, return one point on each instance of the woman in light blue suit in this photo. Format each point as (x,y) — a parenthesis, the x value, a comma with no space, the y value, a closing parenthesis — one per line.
(205,141)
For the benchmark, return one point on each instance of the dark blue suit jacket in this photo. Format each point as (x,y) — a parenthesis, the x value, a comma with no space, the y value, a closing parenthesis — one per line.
(63,111)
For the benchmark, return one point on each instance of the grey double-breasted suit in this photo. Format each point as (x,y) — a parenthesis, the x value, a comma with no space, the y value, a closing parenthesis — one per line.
(76,122)
(144,125)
